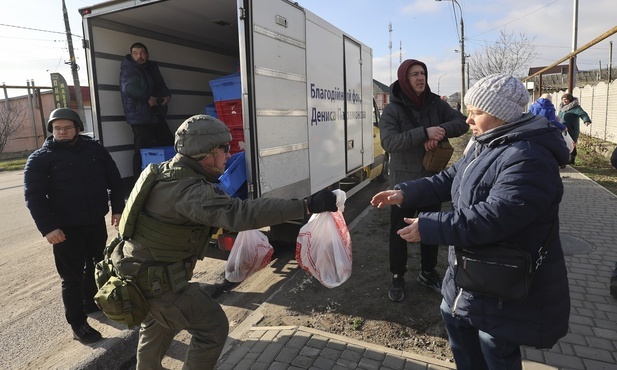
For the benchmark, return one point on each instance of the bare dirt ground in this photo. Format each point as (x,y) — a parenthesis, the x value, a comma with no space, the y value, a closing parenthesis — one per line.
(360,308)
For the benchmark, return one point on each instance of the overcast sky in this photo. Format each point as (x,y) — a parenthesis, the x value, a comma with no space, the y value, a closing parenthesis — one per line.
(34,43)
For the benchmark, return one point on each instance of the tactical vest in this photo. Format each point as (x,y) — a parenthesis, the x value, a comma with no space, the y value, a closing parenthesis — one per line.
(166,242)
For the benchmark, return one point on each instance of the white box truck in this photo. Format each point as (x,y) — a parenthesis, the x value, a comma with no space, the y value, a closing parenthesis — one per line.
(306,86)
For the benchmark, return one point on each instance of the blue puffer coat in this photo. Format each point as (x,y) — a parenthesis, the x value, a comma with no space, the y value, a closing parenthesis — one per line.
(506,188)
(544,107)
(71,185)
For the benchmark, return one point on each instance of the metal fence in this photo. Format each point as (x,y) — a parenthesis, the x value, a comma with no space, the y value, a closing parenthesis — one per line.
(600,102)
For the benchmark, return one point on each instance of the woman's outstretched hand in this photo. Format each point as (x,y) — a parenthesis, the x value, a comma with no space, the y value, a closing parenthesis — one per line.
(387,198)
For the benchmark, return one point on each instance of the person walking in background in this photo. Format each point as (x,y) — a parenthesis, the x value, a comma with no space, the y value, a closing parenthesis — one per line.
(412,124)
(181,210)
(506,189)
(569,114)
(145,98)
(68,184)
(544,106)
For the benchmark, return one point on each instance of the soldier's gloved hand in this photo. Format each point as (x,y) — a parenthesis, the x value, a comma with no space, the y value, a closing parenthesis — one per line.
(322,201)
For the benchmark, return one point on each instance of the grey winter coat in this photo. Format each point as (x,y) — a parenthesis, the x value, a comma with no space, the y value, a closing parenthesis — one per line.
(506,188)
(404,139)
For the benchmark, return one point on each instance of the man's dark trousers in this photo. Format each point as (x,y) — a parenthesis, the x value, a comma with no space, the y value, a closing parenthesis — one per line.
(75,259)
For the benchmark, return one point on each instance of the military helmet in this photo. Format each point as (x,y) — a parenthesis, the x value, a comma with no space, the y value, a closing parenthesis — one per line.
(65,113)
(201,134)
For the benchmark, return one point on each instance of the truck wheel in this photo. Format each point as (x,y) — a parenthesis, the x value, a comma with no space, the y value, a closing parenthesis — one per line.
(385,169)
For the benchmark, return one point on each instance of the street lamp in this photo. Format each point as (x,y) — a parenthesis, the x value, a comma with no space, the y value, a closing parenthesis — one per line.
(438,82)
(462,42)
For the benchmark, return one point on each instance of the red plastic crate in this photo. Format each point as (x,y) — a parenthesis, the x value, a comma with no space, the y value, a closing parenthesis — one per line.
(230,112)
(237,140)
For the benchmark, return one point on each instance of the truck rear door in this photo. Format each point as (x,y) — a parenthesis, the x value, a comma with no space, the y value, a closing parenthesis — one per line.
(275,98)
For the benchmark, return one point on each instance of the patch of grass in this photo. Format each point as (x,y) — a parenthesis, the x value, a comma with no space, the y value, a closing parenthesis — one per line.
(593,160)
(357,323)
(14,164)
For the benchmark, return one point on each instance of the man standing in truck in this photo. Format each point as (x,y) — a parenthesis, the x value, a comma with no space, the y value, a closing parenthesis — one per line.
(145,97)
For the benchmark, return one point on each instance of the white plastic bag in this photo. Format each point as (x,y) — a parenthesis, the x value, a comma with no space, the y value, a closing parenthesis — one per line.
(250,253)
(569,142)
(323,247)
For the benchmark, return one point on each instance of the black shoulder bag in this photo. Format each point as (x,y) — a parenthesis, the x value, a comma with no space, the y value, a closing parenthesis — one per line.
(502,270)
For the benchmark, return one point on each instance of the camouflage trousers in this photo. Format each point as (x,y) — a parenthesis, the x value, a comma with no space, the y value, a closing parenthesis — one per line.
(192,310)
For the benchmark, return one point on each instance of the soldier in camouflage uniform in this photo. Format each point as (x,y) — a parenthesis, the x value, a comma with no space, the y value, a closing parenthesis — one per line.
(179,214)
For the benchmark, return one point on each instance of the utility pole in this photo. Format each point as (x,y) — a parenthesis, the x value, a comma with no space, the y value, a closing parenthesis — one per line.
(462,44)
(610,62)
(74,67)
(572,74)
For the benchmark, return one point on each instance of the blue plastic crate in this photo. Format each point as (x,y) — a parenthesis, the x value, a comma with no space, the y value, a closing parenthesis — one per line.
(156,155)
(234,177)
(210,110)
(226,88)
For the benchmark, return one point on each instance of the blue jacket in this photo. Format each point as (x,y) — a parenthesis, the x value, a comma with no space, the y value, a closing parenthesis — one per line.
(137,84)
(71,185)
(545,107)
(506,188)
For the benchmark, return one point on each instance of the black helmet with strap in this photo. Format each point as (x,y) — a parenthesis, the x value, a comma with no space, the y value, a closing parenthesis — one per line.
(65,113)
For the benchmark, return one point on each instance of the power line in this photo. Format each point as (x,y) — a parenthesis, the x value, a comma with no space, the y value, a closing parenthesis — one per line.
(30,38)
(514,20)
(37,29)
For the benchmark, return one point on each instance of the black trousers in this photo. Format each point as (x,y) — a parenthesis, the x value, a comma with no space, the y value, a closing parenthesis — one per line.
(149,136)
(398,246)
(572,156)
(75,259)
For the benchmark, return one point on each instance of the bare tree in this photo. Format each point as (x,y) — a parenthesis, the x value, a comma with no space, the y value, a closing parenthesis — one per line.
(10,121)
(509,54)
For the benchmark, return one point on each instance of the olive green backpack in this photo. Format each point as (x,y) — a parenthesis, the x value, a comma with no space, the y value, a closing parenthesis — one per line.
(119,296)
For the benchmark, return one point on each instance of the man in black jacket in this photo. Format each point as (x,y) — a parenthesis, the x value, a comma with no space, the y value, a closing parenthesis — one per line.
(68,184)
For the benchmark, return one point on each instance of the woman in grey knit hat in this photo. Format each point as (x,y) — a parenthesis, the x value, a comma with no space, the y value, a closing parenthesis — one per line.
(507,188)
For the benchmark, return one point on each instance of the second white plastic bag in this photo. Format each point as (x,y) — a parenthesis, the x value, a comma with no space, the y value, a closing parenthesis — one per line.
(323,247)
